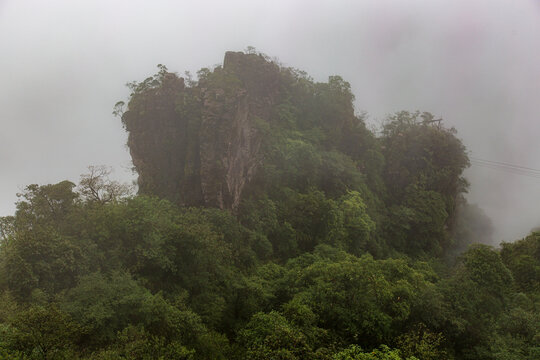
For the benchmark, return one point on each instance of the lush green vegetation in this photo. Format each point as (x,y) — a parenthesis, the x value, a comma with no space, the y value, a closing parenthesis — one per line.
(346,244)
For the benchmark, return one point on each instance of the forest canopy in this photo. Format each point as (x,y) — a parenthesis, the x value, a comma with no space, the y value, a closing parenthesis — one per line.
(269,223)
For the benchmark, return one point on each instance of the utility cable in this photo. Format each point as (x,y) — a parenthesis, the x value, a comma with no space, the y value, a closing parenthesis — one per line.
(506,167)
(503,164)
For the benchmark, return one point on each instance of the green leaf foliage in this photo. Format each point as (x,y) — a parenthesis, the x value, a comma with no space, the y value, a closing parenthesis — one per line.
(270,223)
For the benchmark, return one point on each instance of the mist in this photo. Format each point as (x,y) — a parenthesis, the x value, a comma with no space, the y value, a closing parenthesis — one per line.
(473,63)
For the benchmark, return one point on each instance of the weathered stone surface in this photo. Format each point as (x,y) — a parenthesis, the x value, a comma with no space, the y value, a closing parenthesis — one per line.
(230,143)
(156,137)
(199,145)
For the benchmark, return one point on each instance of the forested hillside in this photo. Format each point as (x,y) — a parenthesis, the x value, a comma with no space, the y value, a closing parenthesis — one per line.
(269,223)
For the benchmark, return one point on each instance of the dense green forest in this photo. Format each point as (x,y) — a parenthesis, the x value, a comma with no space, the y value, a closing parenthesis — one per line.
(269,223)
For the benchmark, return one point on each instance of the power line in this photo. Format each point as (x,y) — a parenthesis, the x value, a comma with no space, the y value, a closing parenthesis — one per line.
(506,167)
(503,164)
(507,170)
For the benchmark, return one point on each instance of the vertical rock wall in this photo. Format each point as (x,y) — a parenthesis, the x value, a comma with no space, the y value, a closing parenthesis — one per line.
(227,140)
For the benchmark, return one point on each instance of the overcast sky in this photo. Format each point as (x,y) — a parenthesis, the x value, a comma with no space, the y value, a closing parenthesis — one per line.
(475,63)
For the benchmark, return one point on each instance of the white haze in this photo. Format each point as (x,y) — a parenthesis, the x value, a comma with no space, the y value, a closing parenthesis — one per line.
(63,64)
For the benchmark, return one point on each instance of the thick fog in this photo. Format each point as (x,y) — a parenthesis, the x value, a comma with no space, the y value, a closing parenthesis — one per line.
(63,65)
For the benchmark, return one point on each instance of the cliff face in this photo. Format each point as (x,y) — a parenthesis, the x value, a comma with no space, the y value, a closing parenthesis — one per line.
(199,145)
(229,142)
(157,136)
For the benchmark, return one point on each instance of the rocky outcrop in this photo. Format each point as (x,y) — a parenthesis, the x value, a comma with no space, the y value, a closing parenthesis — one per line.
(157,136)
(199,145)
(228,148)
(229,141)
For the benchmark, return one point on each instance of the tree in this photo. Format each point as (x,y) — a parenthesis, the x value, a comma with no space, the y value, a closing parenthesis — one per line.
(357,223)
(271,336)
(523,259)
(118,109)
(476,297)
(41,254)
(357,299)
(355,352)
(423,173)
(45,331)
(96,186)
(41,259)
(422,343)
(7,227)
(45,204)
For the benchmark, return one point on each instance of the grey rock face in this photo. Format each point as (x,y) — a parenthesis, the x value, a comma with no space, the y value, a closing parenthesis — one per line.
(211,163)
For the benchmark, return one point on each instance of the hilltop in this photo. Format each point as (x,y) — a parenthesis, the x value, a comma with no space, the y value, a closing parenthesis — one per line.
(270,223)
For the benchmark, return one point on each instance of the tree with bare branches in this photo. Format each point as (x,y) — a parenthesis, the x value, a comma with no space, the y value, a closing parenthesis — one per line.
(96,186)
